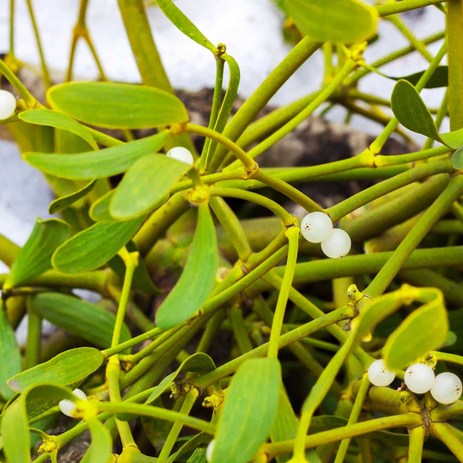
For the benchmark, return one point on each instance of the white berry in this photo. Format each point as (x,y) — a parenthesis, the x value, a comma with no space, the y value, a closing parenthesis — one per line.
(67,406)
(419,378)
(447,388)
(379,375)
(7,104)
(181,154)
(316,227)
(209,450)
(337,244)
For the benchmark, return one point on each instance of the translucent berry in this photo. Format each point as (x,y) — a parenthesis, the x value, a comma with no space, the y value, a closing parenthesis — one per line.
(419,378)
(316,227)
(447,388)
(67,406)
(7,104)
(181,154)
(379,375)
(337,244)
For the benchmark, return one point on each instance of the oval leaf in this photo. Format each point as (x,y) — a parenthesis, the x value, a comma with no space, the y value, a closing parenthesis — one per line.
(39,399)
(345,21)
(453,139)
(117,106)
(146,185)
(15,433)
(457,159)
(410,110)
(100,450)
(424,330)
(65,369)
(64,202)
(80,318)
(198,276)
(59,121)
(96,164)
(9,353)
(35,256)
(93,247)
(248,412)
(99,211)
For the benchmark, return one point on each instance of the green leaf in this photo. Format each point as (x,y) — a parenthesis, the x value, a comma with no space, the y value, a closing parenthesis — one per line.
(141,277)
(344,21)
(249,410)
(58,121)
(99,211)
(64,202)
(100,450)
(453,139)
(196,363)
(410,110)
(146,185)
(96,164)
(424,330)
(177,17)
(65,369)
(15,433)
(457,159)
(35,256)
(93,247)
(80,318)
(197,278)
(9,353)
(439,78)
(40,398)
(117,106)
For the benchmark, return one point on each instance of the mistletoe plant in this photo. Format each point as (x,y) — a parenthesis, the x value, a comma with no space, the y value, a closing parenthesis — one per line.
(260,348)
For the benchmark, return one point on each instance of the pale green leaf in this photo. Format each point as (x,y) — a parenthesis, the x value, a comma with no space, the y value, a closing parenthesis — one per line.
(249,411)
(197,278)
(99,211)
(453,139)
(94,246)
(65,369)
(424,330)
(80,318)
(15,433)
(64,202)
(344,21)
(177,17)
(9,353)
(35,256)
(146,185)
(100,450)
(58,121)
(96,164)
(410,110)
(117,105)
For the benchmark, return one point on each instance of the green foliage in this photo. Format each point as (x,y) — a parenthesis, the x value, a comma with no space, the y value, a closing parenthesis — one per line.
(249,410)
(117,106)
(346,21)
(198,276)
(216,323)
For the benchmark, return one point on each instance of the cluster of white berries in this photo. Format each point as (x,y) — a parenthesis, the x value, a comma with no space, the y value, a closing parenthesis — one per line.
(68,407)
(446,388)
(7,104)
(317,227)
(181,154)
